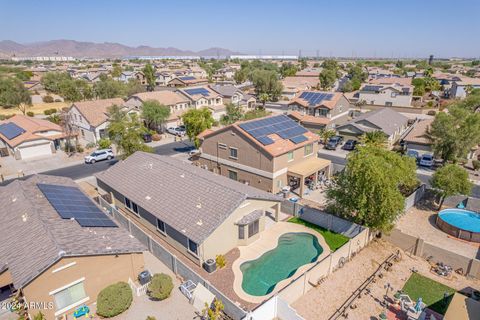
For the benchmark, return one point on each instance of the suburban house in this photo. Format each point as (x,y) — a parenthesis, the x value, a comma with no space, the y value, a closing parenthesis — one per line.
(177,103)
(60,256)
(404,81)
(293,85)
(126,76)
(186,81)
(232,94)
(460,88)
(204,96)
(195,212)
(388,95)
(163,77)
(416,139)
(388,121)
(90,118)
(268,153)
(316,109)
(309,72)
(26,137)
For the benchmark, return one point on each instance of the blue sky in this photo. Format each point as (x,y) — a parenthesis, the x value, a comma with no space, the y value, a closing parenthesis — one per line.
(407,28)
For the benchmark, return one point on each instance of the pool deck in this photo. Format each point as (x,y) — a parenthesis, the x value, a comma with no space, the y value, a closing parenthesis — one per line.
(269,240)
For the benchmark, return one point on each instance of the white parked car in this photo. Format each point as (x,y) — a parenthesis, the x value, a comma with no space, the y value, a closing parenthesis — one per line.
(176,131)
(99,155)
(426,160)
(193,152)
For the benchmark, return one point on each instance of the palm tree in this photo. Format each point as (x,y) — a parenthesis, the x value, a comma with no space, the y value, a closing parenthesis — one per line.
(374,138)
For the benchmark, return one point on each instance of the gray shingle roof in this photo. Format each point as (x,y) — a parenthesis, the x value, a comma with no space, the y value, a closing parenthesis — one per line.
(386,119)
(192,200)
(226,91)
(33,236)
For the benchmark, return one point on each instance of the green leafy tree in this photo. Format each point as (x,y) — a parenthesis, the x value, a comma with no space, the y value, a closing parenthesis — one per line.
(240,76)
(13,94)
(213,312)
(368,191)
(288,69)
(303,63)
(149,73)
(160,287)
(132,87)
(263,97)
(255,114)
(326,134)
(327,78)
(108,88)
(126,132)
(51,81)
(155,114)
(116,71)
(266,81)
(347,86)
(331,64)
(233,114)
(374,138)
(197,121)
(451,180)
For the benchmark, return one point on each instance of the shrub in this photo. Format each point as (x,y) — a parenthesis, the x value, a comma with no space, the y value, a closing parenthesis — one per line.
(48,99)
(79,148)
(476,164)
(156,137)
(104,143)
(90,145)
(58,100)
(431,112)
(47,112)
(151,318)
(114,300)
(30,113)
(221,261)
(160,287)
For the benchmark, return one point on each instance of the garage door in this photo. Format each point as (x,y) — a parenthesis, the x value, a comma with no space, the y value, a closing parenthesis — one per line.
(35,151)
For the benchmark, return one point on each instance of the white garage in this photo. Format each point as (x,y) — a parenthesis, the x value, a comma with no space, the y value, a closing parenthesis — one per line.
(35,149)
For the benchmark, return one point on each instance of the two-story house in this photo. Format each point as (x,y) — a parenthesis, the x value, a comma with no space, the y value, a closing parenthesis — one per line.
(90,118)
(232,94)
(128,75)
(388,95)
(205,97)
(316,109)
(186,81)
(268,153)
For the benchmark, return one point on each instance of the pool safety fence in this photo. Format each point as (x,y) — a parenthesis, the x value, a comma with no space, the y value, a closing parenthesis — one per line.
(232,309)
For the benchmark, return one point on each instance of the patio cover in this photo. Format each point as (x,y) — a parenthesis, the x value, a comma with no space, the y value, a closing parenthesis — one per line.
(201,296)
(462,308)
(309,166)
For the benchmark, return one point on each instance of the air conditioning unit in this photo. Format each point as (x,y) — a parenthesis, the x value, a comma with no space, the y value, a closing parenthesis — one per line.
(144,277)
(210,265)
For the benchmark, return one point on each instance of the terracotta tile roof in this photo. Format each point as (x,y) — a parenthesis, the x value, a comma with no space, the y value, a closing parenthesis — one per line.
(195,97)
(164,97)
(465,81)
(308,118)
(418,132)
(96,111)
(33,128)
(299,83)
(406,81)
(330,104)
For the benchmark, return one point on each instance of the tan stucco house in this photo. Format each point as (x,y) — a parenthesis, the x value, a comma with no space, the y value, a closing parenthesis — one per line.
(192,211)
(56,264)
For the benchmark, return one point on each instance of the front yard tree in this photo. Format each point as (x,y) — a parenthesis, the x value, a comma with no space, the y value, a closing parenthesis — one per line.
(326,134)
(368,191)
(149,73)
(197,121)
(374,138)
(327,78)
(233,114)
(126,132)
(155,114)
(451,180)
(13,94)
(266,81)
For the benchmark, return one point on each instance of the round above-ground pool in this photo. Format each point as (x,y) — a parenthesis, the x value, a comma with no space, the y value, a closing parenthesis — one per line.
(260,276)
(460,223)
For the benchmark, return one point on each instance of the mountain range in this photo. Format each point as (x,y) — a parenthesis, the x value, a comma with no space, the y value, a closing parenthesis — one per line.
(78,49)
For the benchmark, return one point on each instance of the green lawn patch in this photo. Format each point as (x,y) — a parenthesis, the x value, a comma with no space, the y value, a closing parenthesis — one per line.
(431,292)
(334,240)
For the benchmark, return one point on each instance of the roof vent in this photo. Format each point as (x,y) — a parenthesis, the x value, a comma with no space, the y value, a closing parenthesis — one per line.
(199,222)
(148,198)
(184,231)
(61,253)
(24,217)
(108,248)
(14,199)
(199,205)
(182,175)
(150,166)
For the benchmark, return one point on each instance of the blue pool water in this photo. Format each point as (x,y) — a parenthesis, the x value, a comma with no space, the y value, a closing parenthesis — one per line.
(462,219)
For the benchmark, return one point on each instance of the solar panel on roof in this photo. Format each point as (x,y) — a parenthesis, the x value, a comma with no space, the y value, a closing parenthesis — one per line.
(315,98)
(204,92)
(265,140)
(10,130)
(299,139)
(187,78)
(70,202)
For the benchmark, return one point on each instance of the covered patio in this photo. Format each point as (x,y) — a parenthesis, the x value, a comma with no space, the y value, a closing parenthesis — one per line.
(308,173)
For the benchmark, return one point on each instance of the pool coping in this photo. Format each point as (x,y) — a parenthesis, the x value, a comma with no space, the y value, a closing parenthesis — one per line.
(269,240)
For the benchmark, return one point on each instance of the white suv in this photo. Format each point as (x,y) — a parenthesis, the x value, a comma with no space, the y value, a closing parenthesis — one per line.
(98,155)
(177,131)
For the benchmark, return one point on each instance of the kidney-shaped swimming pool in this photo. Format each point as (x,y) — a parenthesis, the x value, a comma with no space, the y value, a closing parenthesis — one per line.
(260,276)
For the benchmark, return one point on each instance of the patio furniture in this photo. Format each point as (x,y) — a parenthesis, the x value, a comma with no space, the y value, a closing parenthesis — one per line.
(82,311)
(187,289)
(201,297)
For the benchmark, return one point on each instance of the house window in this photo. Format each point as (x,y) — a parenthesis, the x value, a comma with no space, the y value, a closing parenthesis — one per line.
(241,232)
(132,206)
(222,145)
(192,247)
(83,133)
(233,175)
(69,296)
(253,228)
(290,156)
(322,112)
(160,225)
(388,104)
(308,149)
(101,133)
(394,94)
(234,153)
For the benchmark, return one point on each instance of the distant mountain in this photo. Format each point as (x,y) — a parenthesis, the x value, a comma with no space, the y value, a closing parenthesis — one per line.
(72,48)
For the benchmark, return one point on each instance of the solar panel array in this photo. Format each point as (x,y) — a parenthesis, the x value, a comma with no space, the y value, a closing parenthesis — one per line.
(71,203)
(372,88)
(187,78)
(204,92)
(314,98)
(281,125)
(10,130)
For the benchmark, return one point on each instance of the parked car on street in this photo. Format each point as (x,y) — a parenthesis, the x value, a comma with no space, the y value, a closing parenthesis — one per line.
(426,160)
(193,152)
(413,154)
(333,142)
(177,131)
(350,145)
(99,155)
